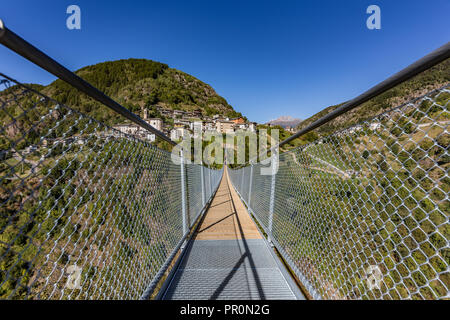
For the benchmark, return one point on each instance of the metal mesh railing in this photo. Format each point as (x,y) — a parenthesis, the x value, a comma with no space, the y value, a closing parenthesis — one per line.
(86,212)
(364,213)
(199,192)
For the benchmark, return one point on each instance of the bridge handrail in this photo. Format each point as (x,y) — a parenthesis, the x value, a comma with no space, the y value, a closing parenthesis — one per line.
(426,62)
(17,44)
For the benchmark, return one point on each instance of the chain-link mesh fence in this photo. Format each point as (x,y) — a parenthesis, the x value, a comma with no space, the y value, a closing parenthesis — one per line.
(364,213)
(86,211)
(199,192)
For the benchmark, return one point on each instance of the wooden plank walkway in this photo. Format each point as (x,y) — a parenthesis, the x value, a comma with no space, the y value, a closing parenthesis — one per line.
(227,217)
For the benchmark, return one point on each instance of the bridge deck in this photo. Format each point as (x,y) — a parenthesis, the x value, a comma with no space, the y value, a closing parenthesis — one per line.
(228,258)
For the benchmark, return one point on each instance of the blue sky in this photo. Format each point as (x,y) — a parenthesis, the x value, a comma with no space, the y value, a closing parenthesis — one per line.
(267,58)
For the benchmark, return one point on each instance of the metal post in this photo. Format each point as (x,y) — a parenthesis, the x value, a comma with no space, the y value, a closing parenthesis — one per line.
(242,181)
(210,186)
(272,198)
(202,174)
(183,197)
(250,186)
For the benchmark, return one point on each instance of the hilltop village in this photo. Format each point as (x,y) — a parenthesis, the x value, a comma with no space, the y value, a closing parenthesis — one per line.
(179,123)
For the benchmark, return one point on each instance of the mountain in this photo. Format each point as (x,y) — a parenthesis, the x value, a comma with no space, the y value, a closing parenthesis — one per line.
(426,81)
(285,121)
(139,84)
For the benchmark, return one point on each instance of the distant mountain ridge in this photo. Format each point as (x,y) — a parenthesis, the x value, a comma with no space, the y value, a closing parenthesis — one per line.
(285,121)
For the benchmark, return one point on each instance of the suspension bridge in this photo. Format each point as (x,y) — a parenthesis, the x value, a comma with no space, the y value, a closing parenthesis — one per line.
(358,214)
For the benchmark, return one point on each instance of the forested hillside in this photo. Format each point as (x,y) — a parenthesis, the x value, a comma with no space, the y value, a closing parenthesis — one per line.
(138,84)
